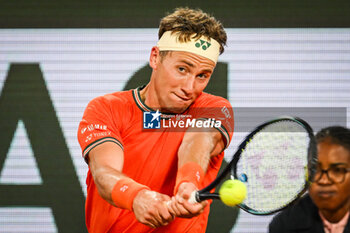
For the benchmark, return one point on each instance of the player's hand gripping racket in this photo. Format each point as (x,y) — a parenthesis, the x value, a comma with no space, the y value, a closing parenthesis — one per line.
(275,162)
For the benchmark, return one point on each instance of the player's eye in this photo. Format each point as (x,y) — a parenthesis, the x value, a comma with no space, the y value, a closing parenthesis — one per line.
(203,76)
(182,69)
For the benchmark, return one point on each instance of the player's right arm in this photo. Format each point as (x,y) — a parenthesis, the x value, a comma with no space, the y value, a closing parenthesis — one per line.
(102,147)
(106,164)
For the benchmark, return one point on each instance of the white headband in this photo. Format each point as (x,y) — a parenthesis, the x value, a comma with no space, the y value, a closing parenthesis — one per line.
(207,48)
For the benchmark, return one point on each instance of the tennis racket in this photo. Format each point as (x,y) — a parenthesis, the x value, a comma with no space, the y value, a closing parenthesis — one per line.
(275,162)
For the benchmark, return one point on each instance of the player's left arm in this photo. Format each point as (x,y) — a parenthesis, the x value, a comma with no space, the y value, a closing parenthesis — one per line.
(199,145)
(194,154)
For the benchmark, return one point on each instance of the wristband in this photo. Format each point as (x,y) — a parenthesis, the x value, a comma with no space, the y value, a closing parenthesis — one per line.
(190,172)
(124,192)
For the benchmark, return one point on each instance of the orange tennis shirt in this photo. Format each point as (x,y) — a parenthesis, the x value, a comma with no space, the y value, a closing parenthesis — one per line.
(150,155)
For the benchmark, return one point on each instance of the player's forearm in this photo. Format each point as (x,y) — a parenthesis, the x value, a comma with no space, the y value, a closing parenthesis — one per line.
(105,180)
(106,164)
(194,155)
(198,147)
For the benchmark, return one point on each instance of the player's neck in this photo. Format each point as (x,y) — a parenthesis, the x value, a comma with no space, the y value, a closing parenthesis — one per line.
(147,99)
(143,92)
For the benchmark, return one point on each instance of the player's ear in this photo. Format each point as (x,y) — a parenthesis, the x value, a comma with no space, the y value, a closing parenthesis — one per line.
(154,58)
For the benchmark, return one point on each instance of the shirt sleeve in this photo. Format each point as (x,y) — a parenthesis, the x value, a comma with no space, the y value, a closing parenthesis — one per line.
(218,111)
(97,126)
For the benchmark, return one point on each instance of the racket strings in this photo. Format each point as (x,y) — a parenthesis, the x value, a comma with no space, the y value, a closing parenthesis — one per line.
(274,163)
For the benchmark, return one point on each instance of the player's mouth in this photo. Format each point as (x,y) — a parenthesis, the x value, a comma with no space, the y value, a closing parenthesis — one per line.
(183,98)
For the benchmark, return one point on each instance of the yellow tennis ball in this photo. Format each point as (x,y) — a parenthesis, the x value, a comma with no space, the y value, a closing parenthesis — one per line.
(232,192)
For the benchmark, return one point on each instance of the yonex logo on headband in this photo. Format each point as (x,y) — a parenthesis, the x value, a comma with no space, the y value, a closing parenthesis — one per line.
(203,46)
(201,43)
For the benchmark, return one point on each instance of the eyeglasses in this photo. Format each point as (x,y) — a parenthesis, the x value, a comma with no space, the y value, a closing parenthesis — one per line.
(334,174)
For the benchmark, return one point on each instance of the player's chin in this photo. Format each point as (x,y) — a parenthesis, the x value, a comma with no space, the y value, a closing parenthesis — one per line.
(180,105)
(178,108)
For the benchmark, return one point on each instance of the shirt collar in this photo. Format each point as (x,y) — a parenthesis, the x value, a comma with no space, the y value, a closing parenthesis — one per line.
(334,227)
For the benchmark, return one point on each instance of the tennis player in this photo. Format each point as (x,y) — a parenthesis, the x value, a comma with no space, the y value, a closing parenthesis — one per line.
(140,179)
(326,208)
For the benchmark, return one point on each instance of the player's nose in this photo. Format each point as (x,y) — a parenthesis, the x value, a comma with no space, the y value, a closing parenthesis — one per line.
(188,85)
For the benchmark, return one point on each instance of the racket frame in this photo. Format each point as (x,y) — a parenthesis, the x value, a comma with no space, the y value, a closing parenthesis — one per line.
(205,194)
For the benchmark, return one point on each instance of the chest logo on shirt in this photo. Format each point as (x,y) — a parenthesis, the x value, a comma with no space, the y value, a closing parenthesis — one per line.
(151,120)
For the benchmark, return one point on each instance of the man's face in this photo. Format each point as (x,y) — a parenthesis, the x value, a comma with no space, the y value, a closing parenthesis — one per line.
(328,195)
(178,79)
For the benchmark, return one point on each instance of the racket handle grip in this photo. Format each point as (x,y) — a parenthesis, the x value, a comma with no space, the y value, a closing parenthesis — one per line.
(193,198)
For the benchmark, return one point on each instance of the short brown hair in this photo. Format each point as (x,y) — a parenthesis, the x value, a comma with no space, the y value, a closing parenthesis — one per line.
(188,21)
